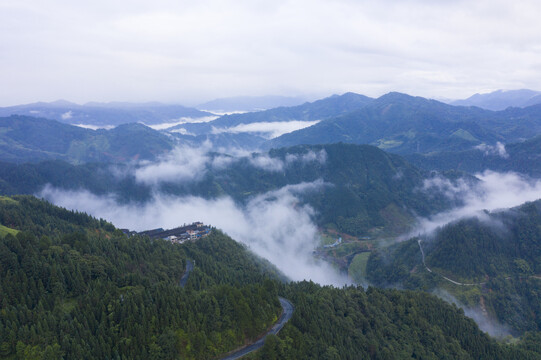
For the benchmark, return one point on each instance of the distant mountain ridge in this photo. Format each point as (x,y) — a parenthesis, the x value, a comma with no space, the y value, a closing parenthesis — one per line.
(29,139)
(250,103)
(399,123)
(523,157)
(105,114)
(502,99)
(405,124)
(216,131)
(317,110)
(366,191)
(394,122)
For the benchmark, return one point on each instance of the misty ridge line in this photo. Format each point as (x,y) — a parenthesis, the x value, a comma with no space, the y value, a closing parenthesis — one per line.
(494,191)
(270,129)
(478,314)
(278,225)
(187,163)
(292,237)
(274,225)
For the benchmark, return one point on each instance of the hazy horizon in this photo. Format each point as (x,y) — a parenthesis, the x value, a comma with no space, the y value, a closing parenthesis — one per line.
(198,103)
(190,53)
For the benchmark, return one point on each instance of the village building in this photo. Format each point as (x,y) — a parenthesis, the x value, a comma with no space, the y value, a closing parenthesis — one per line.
(180,234)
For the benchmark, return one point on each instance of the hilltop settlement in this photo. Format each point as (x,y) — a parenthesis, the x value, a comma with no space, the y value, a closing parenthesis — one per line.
(179,235)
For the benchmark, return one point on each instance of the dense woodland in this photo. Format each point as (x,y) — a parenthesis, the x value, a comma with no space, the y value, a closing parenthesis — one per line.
(29,139)
(71,286)
(366,191)
(352,323)
(521,157)
(74,287)
(502,253)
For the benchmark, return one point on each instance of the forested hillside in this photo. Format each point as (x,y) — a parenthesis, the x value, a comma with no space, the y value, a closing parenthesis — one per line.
(523,157)
(104,114)
(30,139)
(501,254)
(365,190)
(352,323)
(405,124)
(74,287)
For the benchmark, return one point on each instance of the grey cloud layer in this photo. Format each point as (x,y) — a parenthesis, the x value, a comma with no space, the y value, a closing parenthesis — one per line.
(494,191)
(193,51)
(273,224)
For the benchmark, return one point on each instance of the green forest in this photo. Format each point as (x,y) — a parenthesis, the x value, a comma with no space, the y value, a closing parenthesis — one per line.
(352,323)
(501,253)
(73,286)
(366,191)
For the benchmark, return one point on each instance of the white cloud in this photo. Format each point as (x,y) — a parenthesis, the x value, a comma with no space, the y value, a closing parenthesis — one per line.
(220,162)
(270,129)
(498,149)
(95,127)
(274,225)
(495,191)
(67,115)
(182,131)
(272,164)
(483,320)
(265,162)
(186,163)
(320,156)
(453,190)
(183,163)
(180,121)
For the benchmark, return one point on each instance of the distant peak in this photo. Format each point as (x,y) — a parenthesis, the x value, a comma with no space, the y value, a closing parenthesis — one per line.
(62,103)
(394,95)
(352,94)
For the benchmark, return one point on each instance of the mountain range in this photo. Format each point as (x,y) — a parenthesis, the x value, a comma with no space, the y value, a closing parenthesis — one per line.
(429,132)
(394,122)
(367,171)
(404,124)
(105,114)
(249,103)
(521,157)
(502,99)
(364,191)
(30,139)
(314,111)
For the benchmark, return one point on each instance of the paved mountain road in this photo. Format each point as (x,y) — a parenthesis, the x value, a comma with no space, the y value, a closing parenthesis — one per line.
(286,315)
(287,307)
(446,278)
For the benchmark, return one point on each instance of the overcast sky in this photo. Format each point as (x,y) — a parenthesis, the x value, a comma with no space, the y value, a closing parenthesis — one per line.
(192,51)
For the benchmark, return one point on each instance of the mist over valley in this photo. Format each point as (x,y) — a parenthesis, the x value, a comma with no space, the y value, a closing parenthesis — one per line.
(280,180)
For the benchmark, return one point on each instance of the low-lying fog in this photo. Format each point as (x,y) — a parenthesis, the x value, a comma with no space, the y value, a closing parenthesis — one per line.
(274,224)
(493,192)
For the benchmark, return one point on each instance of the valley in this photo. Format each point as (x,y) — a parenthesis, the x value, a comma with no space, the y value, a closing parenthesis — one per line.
(379,193)
(287,180)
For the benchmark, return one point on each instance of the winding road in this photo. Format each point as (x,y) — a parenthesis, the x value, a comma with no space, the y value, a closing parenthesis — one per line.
(446,278)
(184,278)
(286,315)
